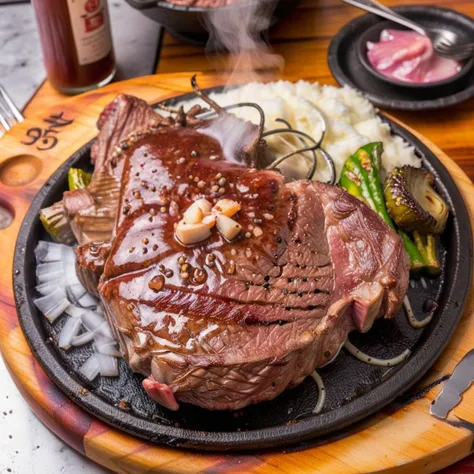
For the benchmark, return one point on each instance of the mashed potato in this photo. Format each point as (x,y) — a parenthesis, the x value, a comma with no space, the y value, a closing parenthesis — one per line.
(350,118)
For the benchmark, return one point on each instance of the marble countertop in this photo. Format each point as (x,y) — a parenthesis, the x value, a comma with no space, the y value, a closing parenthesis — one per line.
(26,445)
(21,63)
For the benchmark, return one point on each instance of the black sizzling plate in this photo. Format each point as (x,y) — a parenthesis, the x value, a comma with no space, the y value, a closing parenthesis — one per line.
(354,389)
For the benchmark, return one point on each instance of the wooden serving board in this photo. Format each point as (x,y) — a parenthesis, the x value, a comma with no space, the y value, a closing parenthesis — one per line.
(405,440)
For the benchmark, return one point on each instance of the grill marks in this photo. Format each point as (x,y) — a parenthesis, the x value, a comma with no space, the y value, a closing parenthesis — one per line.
(283,275)
(217,307)
(241,336)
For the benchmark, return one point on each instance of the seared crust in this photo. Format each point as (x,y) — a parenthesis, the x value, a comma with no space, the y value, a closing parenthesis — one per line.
(274,305)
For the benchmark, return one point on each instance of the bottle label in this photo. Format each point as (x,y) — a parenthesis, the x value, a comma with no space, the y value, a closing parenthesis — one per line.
(91,29)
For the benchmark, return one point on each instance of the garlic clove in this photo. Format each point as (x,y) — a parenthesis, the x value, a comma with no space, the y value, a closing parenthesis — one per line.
(193,215)
(192,233)
(228,207)
(209,220)
(228,227)
(204,205)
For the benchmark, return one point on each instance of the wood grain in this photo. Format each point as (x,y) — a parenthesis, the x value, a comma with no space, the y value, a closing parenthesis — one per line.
(302,40)
(403,440)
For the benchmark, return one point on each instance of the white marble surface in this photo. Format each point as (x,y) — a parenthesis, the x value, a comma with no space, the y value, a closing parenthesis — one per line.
(21,64)
(26,446)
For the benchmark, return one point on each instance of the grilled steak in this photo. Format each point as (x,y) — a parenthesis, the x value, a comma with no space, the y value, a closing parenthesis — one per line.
(225,324)
(92,211)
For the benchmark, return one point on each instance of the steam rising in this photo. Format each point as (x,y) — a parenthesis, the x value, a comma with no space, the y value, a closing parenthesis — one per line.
(233,135)
(241,31)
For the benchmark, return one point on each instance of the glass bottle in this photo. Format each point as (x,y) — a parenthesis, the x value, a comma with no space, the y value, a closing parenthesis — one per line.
(77,43)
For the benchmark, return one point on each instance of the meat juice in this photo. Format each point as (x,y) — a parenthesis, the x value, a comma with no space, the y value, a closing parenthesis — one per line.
(77,44)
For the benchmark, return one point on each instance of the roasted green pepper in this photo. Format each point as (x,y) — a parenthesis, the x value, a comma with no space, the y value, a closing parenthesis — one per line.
(413,203)
(78,179)
(417,261)
(56,223)
(361,177)
(426,244)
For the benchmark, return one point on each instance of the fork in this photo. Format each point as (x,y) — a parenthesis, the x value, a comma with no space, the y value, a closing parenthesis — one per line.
(445,43)
(459,52)
(9,113)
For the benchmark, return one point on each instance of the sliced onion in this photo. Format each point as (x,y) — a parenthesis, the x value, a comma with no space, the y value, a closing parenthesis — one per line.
(92,320)
(109,349)
(76,291)
(70,276)
(101,339)
(108,366)
(90,369)
(415,323)
(63,272)
(83,338)
(46,288)
(57,277)
(68,332)
(74,311)
(333,357)
(62,292)
(321,393)
(45,268)
(88,301)
(104,329)
(358,354)
(48,251)
(52,305)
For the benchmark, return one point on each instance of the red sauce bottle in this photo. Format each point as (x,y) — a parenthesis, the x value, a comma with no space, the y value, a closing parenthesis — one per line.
(77,43)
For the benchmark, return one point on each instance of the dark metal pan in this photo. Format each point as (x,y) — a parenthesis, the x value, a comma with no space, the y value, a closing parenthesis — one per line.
(354,390)
(188,23)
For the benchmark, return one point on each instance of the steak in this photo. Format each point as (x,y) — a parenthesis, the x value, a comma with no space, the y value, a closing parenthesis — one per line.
(92,211)
(225,324)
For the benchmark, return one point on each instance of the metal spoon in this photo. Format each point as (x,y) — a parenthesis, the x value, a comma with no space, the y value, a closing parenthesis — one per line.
(445,43)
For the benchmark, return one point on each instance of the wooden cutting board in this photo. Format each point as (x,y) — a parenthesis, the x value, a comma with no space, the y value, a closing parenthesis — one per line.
(398,439)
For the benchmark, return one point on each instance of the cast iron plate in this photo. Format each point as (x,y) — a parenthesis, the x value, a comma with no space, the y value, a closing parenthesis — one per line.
(348,70)
(354,390)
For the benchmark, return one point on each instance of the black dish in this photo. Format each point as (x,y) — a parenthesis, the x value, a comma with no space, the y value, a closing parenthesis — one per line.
(354,390)
(344,62)
(187,24)
(373,35)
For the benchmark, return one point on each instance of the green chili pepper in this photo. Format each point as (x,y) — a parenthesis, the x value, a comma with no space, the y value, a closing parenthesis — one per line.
(78,179)
(56,223)
(361,177)
(426,244)
(417,261)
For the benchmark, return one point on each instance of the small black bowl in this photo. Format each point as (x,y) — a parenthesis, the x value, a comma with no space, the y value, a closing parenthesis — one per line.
(188,23)
(373,35)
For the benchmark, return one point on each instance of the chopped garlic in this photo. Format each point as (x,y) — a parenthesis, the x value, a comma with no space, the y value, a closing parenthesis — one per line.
(228,207)
(192,233)
(193,214)
(204,205)
(209,220)
(228,227)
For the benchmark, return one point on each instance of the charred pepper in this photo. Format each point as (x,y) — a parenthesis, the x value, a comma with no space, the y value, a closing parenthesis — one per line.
(361,177)
(413,202)
(78,179)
